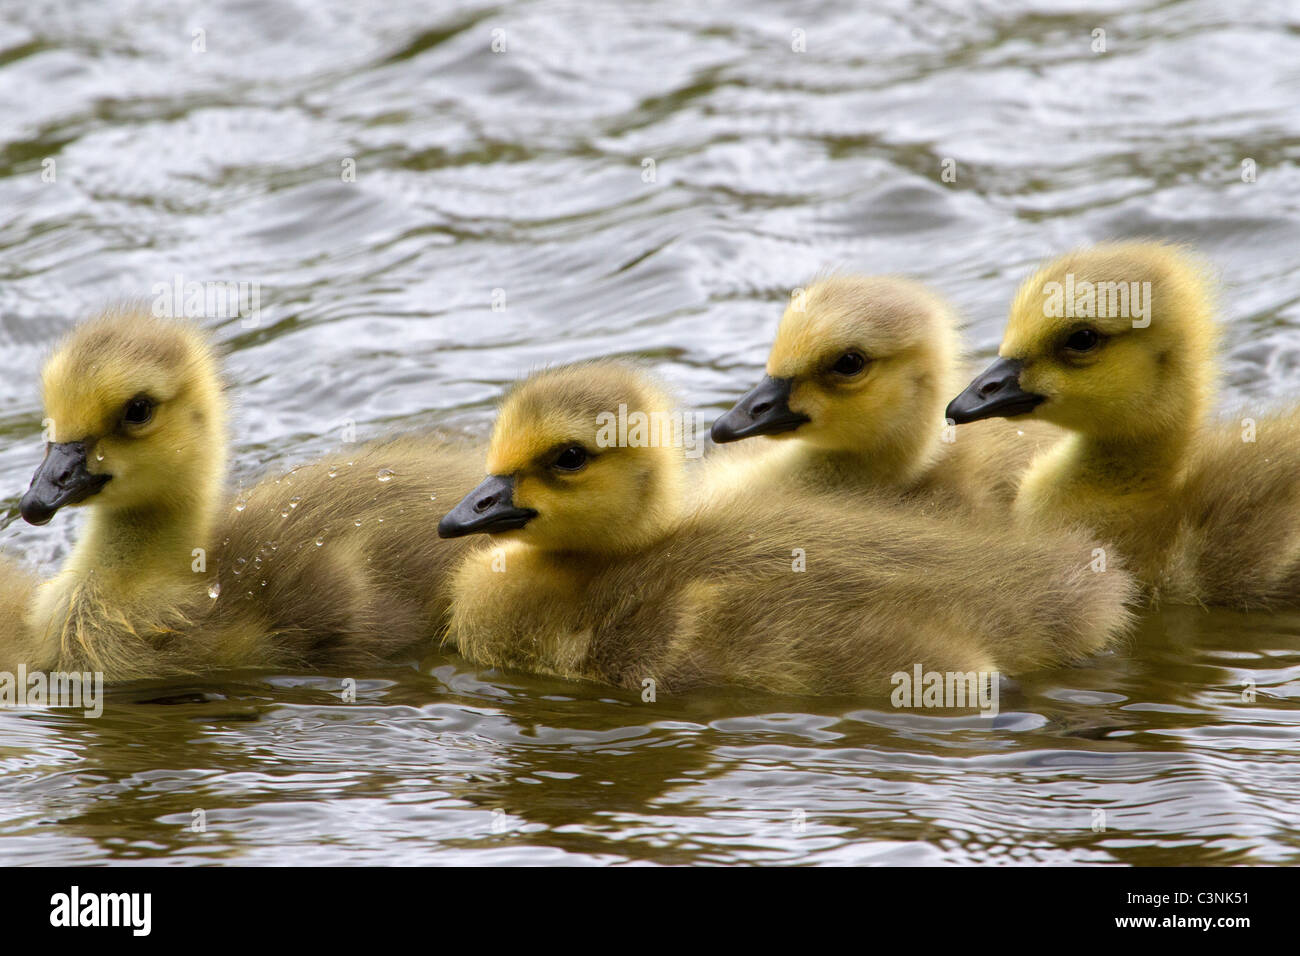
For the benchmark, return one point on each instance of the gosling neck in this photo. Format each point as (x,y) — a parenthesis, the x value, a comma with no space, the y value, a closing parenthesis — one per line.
(138,549)
(141,545)
(1150,457)
(1150,463)
(895,459)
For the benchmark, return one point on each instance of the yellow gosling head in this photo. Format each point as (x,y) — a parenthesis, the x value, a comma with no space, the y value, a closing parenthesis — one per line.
(1116,342)
(586,457)
(860,365)
(134,417)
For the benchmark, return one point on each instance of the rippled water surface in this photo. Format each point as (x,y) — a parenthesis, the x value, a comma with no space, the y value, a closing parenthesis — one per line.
(524,171)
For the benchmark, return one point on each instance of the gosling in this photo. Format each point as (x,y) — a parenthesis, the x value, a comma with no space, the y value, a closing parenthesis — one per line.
(598,569)
(330,565)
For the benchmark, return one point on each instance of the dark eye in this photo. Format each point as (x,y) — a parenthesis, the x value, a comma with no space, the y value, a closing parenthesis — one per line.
(850,363)
(138,411)
(1082,340)
(571,459)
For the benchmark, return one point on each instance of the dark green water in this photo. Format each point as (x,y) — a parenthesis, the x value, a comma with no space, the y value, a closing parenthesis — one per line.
(523,171)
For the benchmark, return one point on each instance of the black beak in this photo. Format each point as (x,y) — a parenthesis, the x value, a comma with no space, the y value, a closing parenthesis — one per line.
(62,479)
(487,509)
(764,410)
(995,393)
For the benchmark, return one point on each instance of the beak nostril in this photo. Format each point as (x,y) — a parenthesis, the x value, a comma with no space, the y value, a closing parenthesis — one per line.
(483,504)
(988,388)
(762,408)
